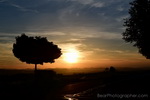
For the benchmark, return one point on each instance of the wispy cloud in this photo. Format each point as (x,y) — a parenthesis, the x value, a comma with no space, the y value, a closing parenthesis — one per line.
(20,7)
(2,1)
(98,4)
(85,2)
(23,8)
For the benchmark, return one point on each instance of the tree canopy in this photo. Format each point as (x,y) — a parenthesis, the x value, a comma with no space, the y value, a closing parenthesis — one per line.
(35,50)
(138,26)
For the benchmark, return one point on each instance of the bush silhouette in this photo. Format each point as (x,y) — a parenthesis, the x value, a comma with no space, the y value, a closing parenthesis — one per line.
(35,50)
(112,69)
(138,26)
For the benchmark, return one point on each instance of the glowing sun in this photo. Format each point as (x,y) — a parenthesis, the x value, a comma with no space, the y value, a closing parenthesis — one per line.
(71,56)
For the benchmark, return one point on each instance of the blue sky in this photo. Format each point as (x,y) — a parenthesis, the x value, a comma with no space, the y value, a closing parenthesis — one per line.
(47,15)
(93,27)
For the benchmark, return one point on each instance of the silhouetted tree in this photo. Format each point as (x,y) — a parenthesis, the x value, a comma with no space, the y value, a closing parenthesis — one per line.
(35,50)
(112,69)
(138,26)
(106,69)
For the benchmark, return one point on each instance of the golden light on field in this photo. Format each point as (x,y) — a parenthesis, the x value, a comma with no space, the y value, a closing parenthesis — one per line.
(71,56)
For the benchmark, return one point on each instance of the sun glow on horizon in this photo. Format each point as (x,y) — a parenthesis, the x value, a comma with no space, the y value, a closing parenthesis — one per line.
(71,56)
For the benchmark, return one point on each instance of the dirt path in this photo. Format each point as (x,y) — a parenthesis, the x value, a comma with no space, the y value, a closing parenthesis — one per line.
(73,89)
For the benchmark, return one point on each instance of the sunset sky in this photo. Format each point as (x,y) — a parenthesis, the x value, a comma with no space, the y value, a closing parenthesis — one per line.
(88,29)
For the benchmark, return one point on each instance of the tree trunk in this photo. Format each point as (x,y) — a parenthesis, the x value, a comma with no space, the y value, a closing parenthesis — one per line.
(35,68)
(35,74)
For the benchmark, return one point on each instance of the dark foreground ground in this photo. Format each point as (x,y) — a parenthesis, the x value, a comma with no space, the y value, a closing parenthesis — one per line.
(47,85)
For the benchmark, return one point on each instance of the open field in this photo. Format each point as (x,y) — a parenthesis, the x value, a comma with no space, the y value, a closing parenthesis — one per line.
(48,85)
